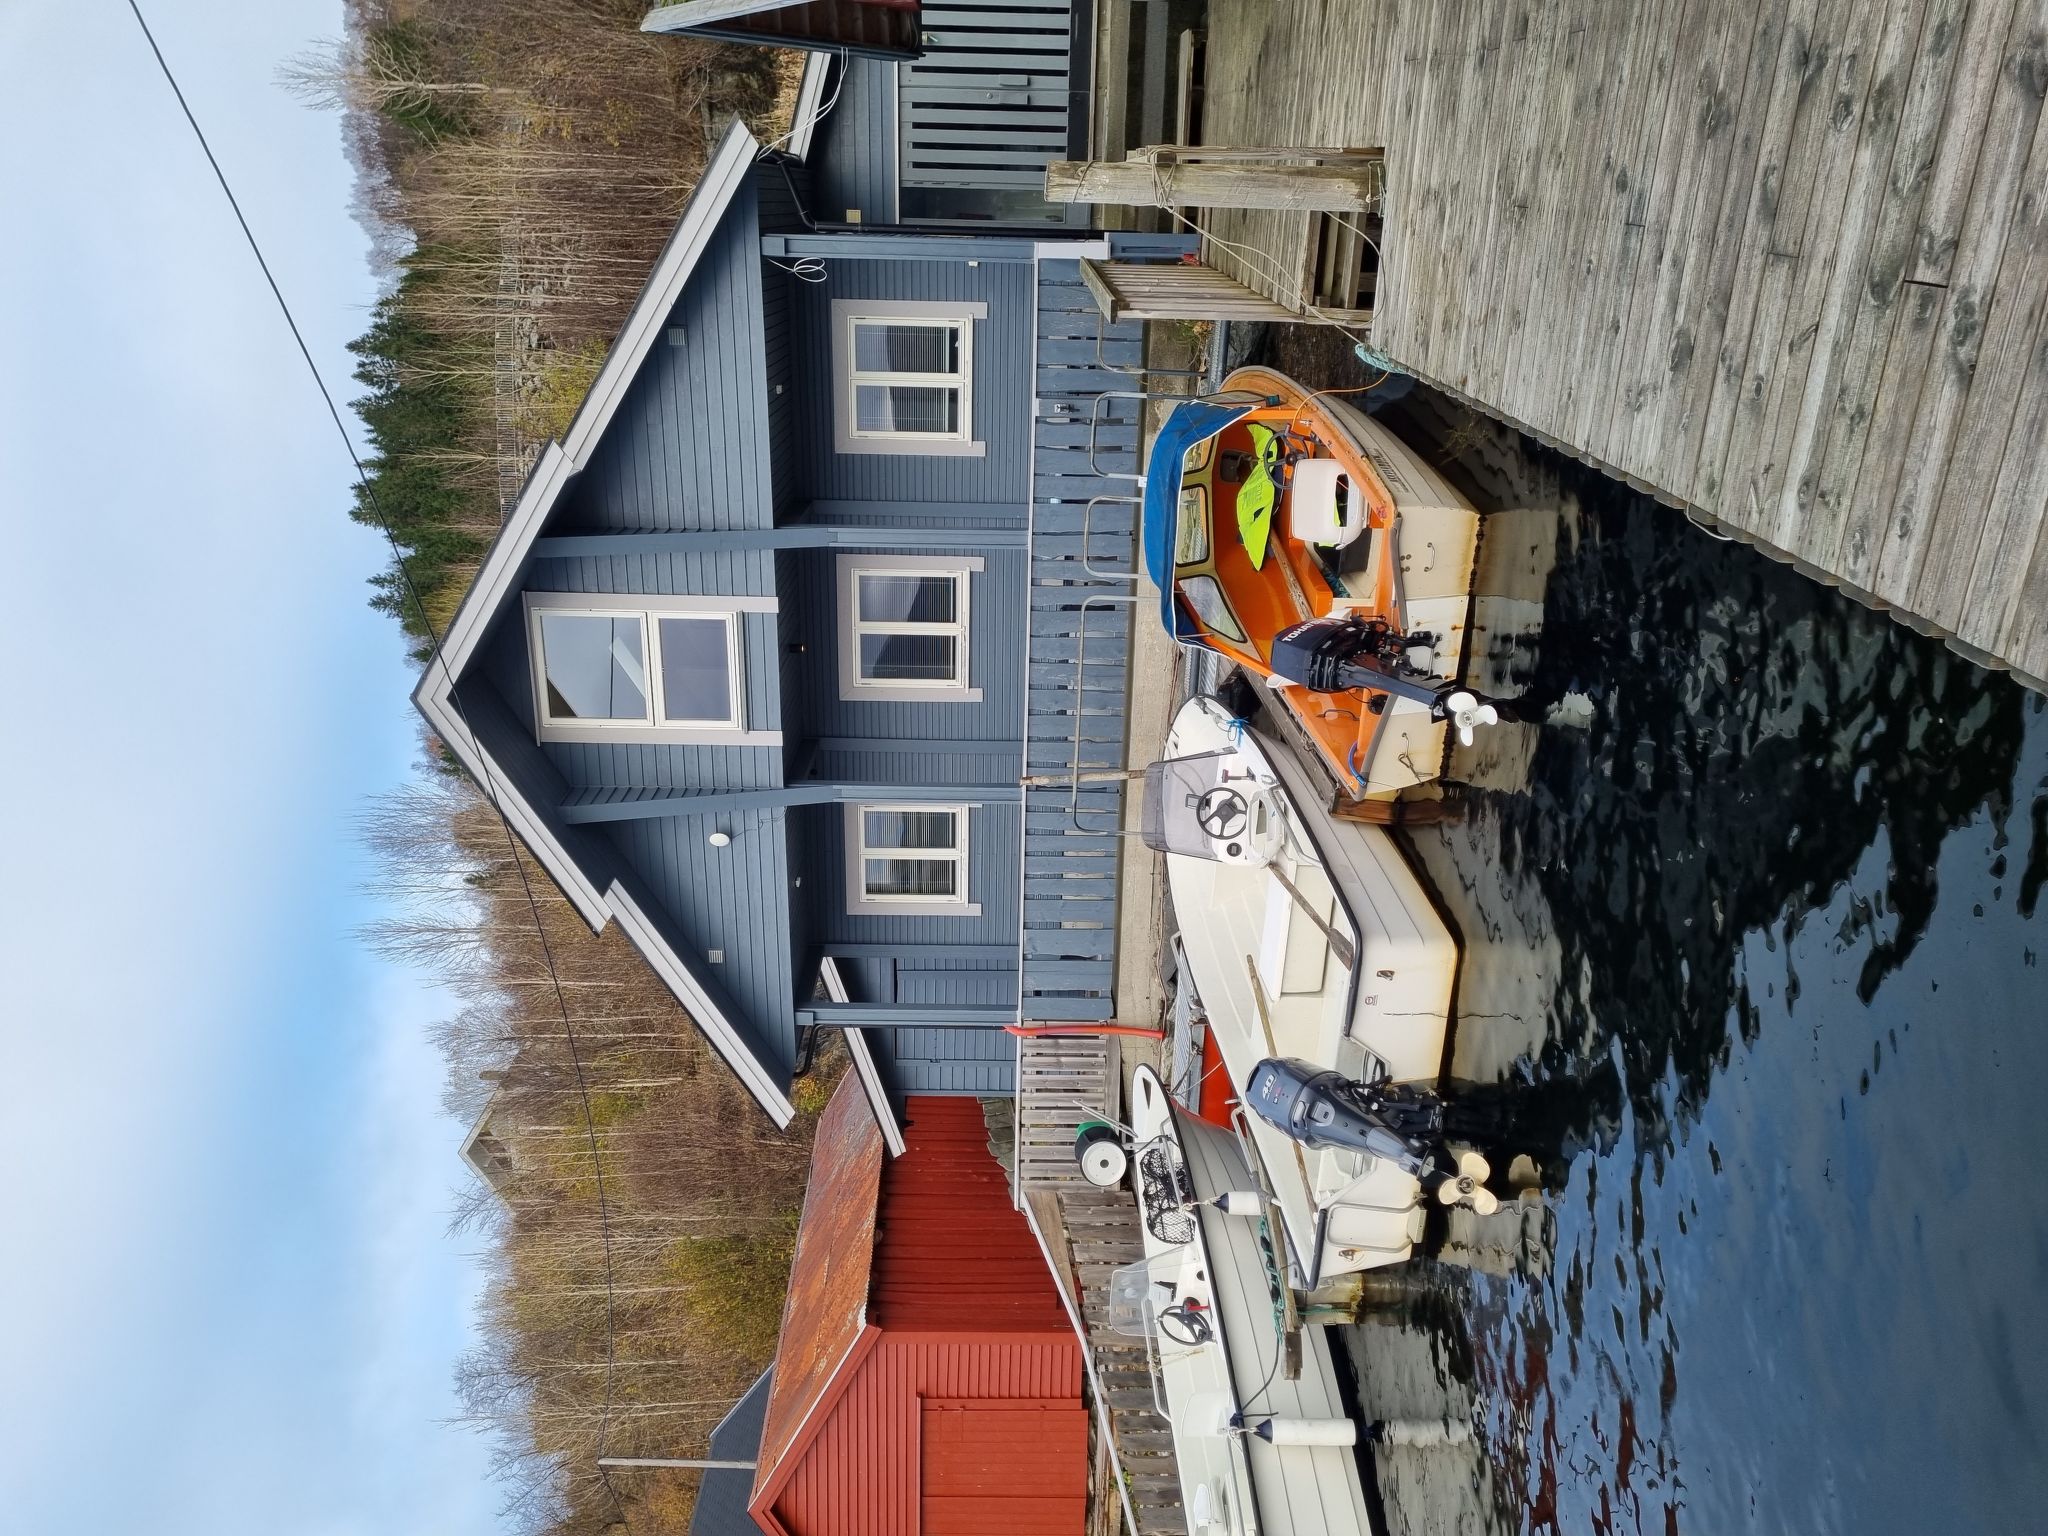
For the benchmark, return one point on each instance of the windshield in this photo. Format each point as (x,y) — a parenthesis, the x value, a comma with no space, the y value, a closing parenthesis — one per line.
(1204,595)
(1191,533)
(1205,806)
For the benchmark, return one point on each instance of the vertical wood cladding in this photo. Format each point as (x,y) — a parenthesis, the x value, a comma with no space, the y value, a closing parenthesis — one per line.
(971,1330)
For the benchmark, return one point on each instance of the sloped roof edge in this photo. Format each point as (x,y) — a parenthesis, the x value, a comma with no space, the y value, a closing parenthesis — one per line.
(498,578)
(714,193)
(705,1013)
(700,13)
(864,1065)
(825,1332)
(810,99)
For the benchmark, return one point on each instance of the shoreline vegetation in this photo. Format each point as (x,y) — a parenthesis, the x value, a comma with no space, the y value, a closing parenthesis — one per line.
(519,164)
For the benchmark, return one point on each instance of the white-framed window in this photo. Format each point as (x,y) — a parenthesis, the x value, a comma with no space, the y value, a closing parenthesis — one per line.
(655,668)
(903,376)
(908,860)
(904,627)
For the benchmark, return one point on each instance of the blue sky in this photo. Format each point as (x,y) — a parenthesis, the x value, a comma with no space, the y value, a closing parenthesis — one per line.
(231,1302)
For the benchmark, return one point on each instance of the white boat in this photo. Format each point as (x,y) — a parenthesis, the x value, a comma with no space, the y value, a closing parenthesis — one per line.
(1245,1433)
(1310,938)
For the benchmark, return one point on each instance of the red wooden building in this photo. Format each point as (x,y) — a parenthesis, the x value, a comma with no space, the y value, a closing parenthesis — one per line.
(927,1382)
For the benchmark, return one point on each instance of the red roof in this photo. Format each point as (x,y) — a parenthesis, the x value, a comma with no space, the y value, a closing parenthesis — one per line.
(927,1380)
(824,1320)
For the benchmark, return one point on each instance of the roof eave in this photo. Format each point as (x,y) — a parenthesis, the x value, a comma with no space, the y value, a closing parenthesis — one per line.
(498,578)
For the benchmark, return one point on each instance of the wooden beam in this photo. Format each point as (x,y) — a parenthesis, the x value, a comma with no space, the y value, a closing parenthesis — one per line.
(576,546)
(1351,187)
(577,810)
(903,1015)
(1008,745)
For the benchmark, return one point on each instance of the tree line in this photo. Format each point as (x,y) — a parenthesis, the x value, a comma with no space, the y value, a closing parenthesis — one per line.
(519,164)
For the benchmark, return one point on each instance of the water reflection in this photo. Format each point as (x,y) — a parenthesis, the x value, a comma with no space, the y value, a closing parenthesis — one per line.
(1753,838)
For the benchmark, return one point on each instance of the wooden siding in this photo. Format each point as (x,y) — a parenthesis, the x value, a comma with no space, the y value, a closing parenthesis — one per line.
(859,1476)
(937,1060)
(1785,264)
(810,604)
(954,1253)
(818,845)
(853,153)
(733,900)
(988,104)
(688,447)
(1001,405)
(970,1483)
(1079,650)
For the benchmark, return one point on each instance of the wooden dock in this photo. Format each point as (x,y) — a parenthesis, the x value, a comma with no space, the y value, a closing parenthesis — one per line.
(1093,1232)
(1779,262)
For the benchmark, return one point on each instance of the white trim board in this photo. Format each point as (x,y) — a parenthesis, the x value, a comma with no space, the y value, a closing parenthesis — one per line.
(864,1065)
(805,116)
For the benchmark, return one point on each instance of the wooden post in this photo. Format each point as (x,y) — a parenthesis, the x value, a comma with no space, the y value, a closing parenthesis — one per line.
(1352,186)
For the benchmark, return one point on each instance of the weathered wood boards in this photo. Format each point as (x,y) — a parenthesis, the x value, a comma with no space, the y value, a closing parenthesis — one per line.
(1155,290)
(1170,177)
(1784,262)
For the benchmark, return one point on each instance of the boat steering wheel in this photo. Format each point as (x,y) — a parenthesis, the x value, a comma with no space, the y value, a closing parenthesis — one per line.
(1222,812)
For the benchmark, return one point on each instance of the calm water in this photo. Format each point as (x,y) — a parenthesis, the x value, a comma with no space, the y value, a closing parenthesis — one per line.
(1760,903)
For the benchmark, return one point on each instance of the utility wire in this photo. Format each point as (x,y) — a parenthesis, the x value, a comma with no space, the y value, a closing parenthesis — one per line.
(489,787)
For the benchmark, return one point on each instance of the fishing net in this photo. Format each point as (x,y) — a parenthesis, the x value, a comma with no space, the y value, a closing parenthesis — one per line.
(1165,1192)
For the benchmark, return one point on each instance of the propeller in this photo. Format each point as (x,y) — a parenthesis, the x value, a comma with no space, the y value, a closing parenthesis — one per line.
(1468,1186)
(1465,712)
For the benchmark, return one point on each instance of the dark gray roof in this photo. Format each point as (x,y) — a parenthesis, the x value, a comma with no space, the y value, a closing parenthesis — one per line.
(722,1497)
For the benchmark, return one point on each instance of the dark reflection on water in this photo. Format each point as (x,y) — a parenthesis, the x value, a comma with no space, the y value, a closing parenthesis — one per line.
(1778,862)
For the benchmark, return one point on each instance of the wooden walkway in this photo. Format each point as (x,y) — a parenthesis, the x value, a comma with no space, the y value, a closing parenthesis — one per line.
(1062,1080)
(1099,1228)
(1782,262)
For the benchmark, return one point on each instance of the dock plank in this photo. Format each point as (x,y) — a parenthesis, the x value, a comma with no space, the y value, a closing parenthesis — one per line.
(1750,257)
(1970,269)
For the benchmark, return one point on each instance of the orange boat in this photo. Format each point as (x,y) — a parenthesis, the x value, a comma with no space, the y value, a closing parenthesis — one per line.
(1295,535)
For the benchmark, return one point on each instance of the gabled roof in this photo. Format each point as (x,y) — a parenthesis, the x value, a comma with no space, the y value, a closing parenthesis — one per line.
(589,875)
(721,1508)
(825,1331)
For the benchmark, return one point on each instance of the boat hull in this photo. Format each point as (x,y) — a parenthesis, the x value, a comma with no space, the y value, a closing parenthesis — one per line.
(1416,574)
(1242,1484)
(1273,984)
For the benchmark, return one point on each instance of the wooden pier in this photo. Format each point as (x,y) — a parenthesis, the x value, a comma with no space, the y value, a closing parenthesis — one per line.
(1779,262)
(1063,1080)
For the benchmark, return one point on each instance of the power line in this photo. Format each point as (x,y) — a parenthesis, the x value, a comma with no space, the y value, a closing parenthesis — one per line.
(488,785)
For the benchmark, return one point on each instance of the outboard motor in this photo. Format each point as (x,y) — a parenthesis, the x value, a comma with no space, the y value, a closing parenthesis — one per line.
(1336,655)
(1321,1108)
(1403,1125)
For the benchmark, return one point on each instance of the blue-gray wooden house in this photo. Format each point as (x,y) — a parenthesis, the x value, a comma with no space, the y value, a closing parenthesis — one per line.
(777,632)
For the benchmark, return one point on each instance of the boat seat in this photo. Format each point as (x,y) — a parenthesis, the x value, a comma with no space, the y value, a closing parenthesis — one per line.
(1322,507)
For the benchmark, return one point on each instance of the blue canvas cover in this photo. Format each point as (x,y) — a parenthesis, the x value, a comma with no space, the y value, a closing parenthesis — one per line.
(1195,421)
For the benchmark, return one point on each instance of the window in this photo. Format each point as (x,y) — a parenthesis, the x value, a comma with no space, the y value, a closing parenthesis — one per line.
(903,628)
(910,860)
(903,377)
(642,668)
